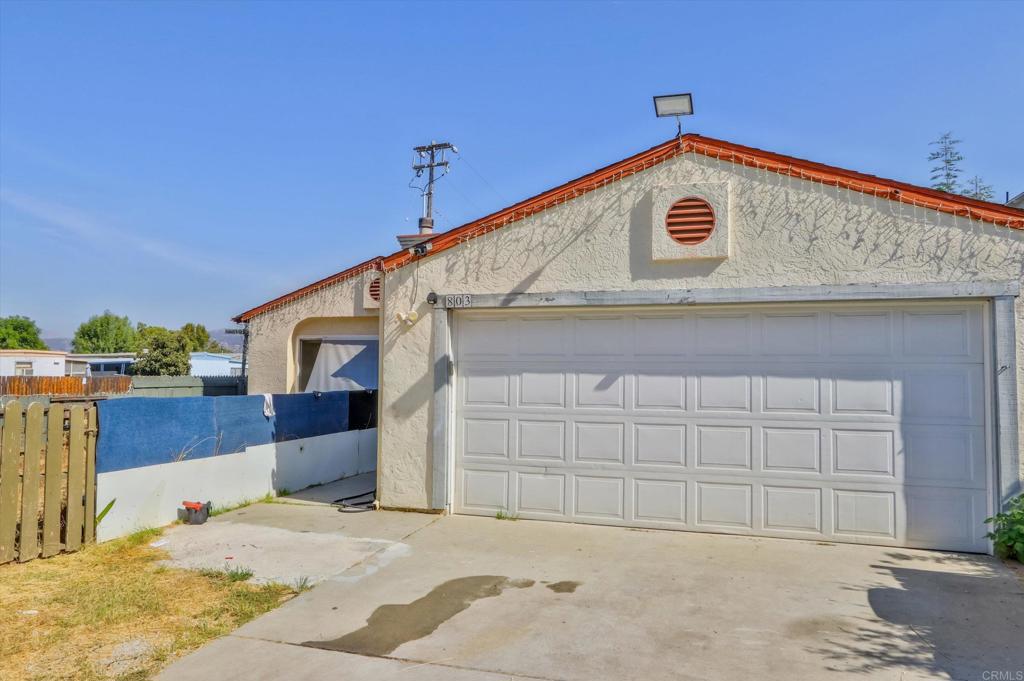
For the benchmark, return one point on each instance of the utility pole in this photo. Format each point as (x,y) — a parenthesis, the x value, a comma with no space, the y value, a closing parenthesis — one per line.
(244,333)
(429,157)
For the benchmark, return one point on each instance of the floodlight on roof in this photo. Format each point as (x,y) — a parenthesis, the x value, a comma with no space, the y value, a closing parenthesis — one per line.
(674,105)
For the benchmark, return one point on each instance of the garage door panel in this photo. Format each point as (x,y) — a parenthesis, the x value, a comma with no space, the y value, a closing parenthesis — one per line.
(721,334)
(662,336)
(860,333)
(724,447)
(794,334)
(859,512)
(660,501)
(486,387)
(486,490)
(945,456)
(946,518)
(660,391)
(863,393)
(600,389)
(541,493)
(604,335)
(723,392)
(543,336)
(863,452)
(792,509)
(659,444)
(488,438)
(544,388)
(724,504)
(943,333)
(541,441)
(599,497)
(791,450)
(485,336)
(790,393)
(943,394)
(849,423)
(597,442)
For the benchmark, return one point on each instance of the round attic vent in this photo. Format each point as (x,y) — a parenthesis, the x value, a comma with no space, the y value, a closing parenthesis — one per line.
(690,221)
(375,289)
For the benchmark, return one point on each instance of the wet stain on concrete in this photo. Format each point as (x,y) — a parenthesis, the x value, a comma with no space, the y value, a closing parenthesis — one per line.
(392,625)
(815,627)
(566,587)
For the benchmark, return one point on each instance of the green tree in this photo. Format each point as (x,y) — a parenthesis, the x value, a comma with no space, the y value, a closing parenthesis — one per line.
(105,333)
(977,189)
(20,333)
(146,334)
(199,340)
(946,174)
(167,355)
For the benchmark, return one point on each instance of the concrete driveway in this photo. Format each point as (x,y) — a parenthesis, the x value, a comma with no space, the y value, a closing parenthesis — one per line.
(460,598)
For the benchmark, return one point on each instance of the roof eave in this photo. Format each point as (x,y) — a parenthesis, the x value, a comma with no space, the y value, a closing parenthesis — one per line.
(841,178)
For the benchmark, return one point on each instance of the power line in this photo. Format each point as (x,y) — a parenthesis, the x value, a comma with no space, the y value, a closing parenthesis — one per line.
(480,175)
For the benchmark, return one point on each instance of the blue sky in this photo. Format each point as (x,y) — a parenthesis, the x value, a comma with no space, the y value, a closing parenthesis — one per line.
(186,161)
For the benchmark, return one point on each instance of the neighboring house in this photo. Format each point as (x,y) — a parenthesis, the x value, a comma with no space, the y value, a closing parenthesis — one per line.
(76,367)
(32,363)
(1017,201)
(214,364)
(703,336)
(106,363)
(119,363)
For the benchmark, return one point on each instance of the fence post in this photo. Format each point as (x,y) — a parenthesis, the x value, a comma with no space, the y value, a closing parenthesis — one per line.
(90,474)
(9,455)
(76,479)
(53,475)
(28,547)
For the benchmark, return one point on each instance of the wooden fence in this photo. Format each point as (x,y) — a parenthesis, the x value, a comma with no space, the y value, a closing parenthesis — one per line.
(47,479)
(65,386)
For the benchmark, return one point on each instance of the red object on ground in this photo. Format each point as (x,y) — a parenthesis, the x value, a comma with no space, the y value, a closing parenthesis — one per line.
(194,505)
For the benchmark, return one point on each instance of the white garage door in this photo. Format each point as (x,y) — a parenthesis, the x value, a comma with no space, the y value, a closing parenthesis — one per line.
(852,423)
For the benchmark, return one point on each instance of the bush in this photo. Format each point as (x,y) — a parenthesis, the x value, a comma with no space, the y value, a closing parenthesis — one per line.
(167,355)
(1008,530)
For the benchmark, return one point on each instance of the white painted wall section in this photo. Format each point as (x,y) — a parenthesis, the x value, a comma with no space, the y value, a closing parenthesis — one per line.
(150,496)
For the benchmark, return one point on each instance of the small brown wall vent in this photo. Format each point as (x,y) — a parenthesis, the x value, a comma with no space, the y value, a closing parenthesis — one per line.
(690,221)
(375,289)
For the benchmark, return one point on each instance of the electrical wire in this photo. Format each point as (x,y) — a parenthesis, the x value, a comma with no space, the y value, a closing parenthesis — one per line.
(490,186)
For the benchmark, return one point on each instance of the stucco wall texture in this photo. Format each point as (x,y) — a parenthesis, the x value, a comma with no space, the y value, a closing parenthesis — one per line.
(334,311)
(784,232)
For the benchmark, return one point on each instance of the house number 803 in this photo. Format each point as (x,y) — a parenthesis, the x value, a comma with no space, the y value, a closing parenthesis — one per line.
(462,300)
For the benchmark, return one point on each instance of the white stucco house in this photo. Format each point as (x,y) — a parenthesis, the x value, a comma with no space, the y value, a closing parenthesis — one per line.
(214,364)
(32,362)
(703,336)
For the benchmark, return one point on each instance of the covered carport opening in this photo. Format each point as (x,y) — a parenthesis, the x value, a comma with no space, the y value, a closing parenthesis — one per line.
(343,354)
(882,415)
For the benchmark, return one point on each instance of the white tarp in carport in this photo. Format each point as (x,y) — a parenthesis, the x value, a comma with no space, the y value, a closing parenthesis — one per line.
(344,365)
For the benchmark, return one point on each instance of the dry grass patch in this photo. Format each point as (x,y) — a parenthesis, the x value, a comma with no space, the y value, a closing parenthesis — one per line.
(110,612)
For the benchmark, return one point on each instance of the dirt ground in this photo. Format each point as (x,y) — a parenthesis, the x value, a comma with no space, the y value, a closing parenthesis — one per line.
(112,611)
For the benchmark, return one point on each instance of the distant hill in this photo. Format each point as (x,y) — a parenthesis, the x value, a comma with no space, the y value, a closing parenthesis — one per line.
(63,344)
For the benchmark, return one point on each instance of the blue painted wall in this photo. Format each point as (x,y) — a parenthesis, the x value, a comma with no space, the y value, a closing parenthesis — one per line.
(140,431)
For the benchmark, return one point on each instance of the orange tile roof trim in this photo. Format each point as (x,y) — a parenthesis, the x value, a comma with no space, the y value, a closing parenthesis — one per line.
(373,264)
(718,149)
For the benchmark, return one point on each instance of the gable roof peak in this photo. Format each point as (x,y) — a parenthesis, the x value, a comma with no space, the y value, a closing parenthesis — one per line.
(841,178)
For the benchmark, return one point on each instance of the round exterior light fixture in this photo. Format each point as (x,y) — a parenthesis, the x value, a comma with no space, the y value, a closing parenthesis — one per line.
(690,221)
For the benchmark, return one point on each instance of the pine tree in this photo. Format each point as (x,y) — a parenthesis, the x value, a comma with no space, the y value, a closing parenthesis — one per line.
(977,189)
(946,175)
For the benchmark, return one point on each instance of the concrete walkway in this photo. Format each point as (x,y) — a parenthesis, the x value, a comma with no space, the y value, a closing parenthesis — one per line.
(478,598)
(299,539)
